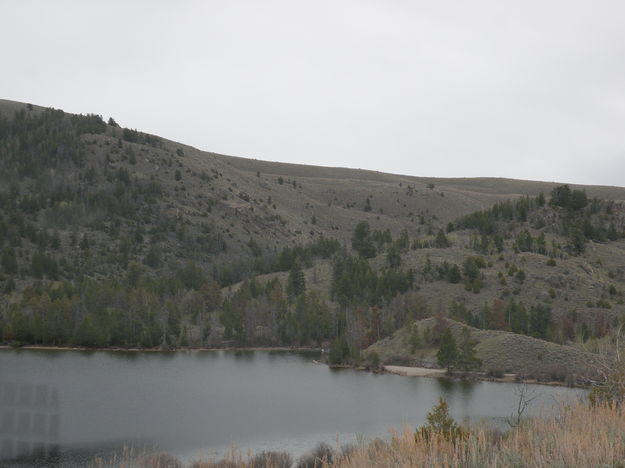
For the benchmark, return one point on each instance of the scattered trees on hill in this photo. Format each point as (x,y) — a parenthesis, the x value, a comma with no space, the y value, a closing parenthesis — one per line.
(580,220)
(564,197)
(354,281)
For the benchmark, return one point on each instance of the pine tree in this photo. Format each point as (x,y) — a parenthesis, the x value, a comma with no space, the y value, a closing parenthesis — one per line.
(337,353)
(297,282)
(361,240)
(9,262)
(540,321)
(88,333)
(439,422)
(517,317)
(441,240)
(367,205)
(393,258)
(415,339)
(448,352)
(453,275)
(466,355)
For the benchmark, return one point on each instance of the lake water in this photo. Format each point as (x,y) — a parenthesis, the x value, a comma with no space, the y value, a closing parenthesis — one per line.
(200,403)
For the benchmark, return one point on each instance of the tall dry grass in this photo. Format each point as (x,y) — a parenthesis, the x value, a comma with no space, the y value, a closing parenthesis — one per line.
(577,435)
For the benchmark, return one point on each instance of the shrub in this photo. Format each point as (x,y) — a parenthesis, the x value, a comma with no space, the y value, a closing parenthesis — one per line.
(320,456)
(495,373)
(271,460)
(440,423)
(374,360)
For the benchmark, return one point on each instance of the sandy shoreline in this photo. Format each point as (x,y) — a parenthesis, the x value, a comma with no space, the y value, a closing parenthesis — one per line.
(407,371)
(414,371)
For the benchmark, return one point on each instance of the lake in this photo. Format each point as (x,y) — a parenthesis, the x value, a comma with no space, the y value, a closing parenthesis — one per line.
(199,403)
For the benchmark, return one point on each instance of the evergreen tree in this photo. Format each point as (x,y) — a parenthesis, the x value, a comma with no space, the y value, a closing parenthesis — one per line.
(540,321)
(9,262)
(415,339)
(466,353)
(153,257)
(361,240)
(453,274)
(88,333)
(516,316)
(339,352)
(540,199)
(439,422)
(393,257)
(296,284)
(441,240)
(367,205)
(448,352)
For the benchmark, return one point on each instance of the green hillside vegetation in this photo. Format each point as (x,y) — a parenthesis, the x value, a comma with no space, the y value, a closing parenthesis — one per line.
(113,237)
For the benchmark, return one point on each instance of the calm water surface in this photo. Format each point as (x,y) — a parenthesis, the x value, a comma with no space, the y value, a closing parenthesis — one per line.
(199,403)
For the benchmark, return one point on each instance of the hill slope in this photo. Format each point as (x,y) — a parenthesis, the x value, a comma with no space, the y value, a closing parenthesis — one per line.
(110,236)
(498,351)
(207,207)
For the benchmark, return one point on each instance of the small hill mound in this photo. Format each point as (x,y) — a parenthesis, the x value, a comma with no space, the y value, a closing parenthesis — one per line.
(499,351)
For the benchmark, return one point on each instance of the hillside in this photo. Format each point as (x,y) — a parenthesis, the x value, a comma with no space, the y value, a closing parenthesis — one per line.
(135,192)
(113,237)
(499,352)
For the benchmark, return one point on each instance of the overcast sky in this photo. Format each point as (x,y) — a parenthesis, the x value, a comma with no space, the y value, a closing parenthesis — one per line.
(522,89)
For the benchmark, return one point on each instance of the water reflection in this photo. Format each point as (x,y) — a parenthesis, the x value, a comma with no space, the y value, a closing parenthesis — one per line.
(206,400)
(205,355)
(243,355)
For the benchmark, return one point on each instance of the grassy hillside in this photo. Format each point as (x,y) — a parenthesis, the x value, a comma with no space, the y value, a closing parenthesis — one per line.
(112,237)
(499,352)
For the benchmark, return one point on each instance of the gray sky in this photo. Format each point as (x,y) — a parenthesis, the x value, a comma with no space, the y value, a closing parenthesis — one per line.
(523,89)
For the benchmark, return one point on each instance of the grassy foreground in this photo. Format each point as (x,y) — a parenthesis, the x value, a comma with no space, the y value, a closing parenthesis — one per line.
(578,436)
(573,436)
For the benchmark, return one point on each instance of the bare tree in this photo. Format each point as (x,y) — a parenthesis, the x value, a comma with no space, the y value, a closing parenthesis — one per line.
(609,386)
(526,395)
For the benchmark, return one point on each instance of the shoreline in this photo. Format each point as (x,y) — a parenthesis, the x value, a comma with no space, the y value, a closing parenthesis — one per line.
(404,371)
(408,371)
(159,350)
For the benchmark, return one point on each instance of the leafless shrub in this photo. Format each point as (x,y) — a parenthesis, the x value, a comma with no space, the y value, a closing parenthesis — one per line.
(322,454)
(526,395)
(271,460)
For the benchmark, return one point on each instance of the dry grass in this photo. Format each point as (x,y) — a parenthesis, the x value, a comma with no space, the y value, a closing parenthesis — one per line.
(579,436)
(573,436)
